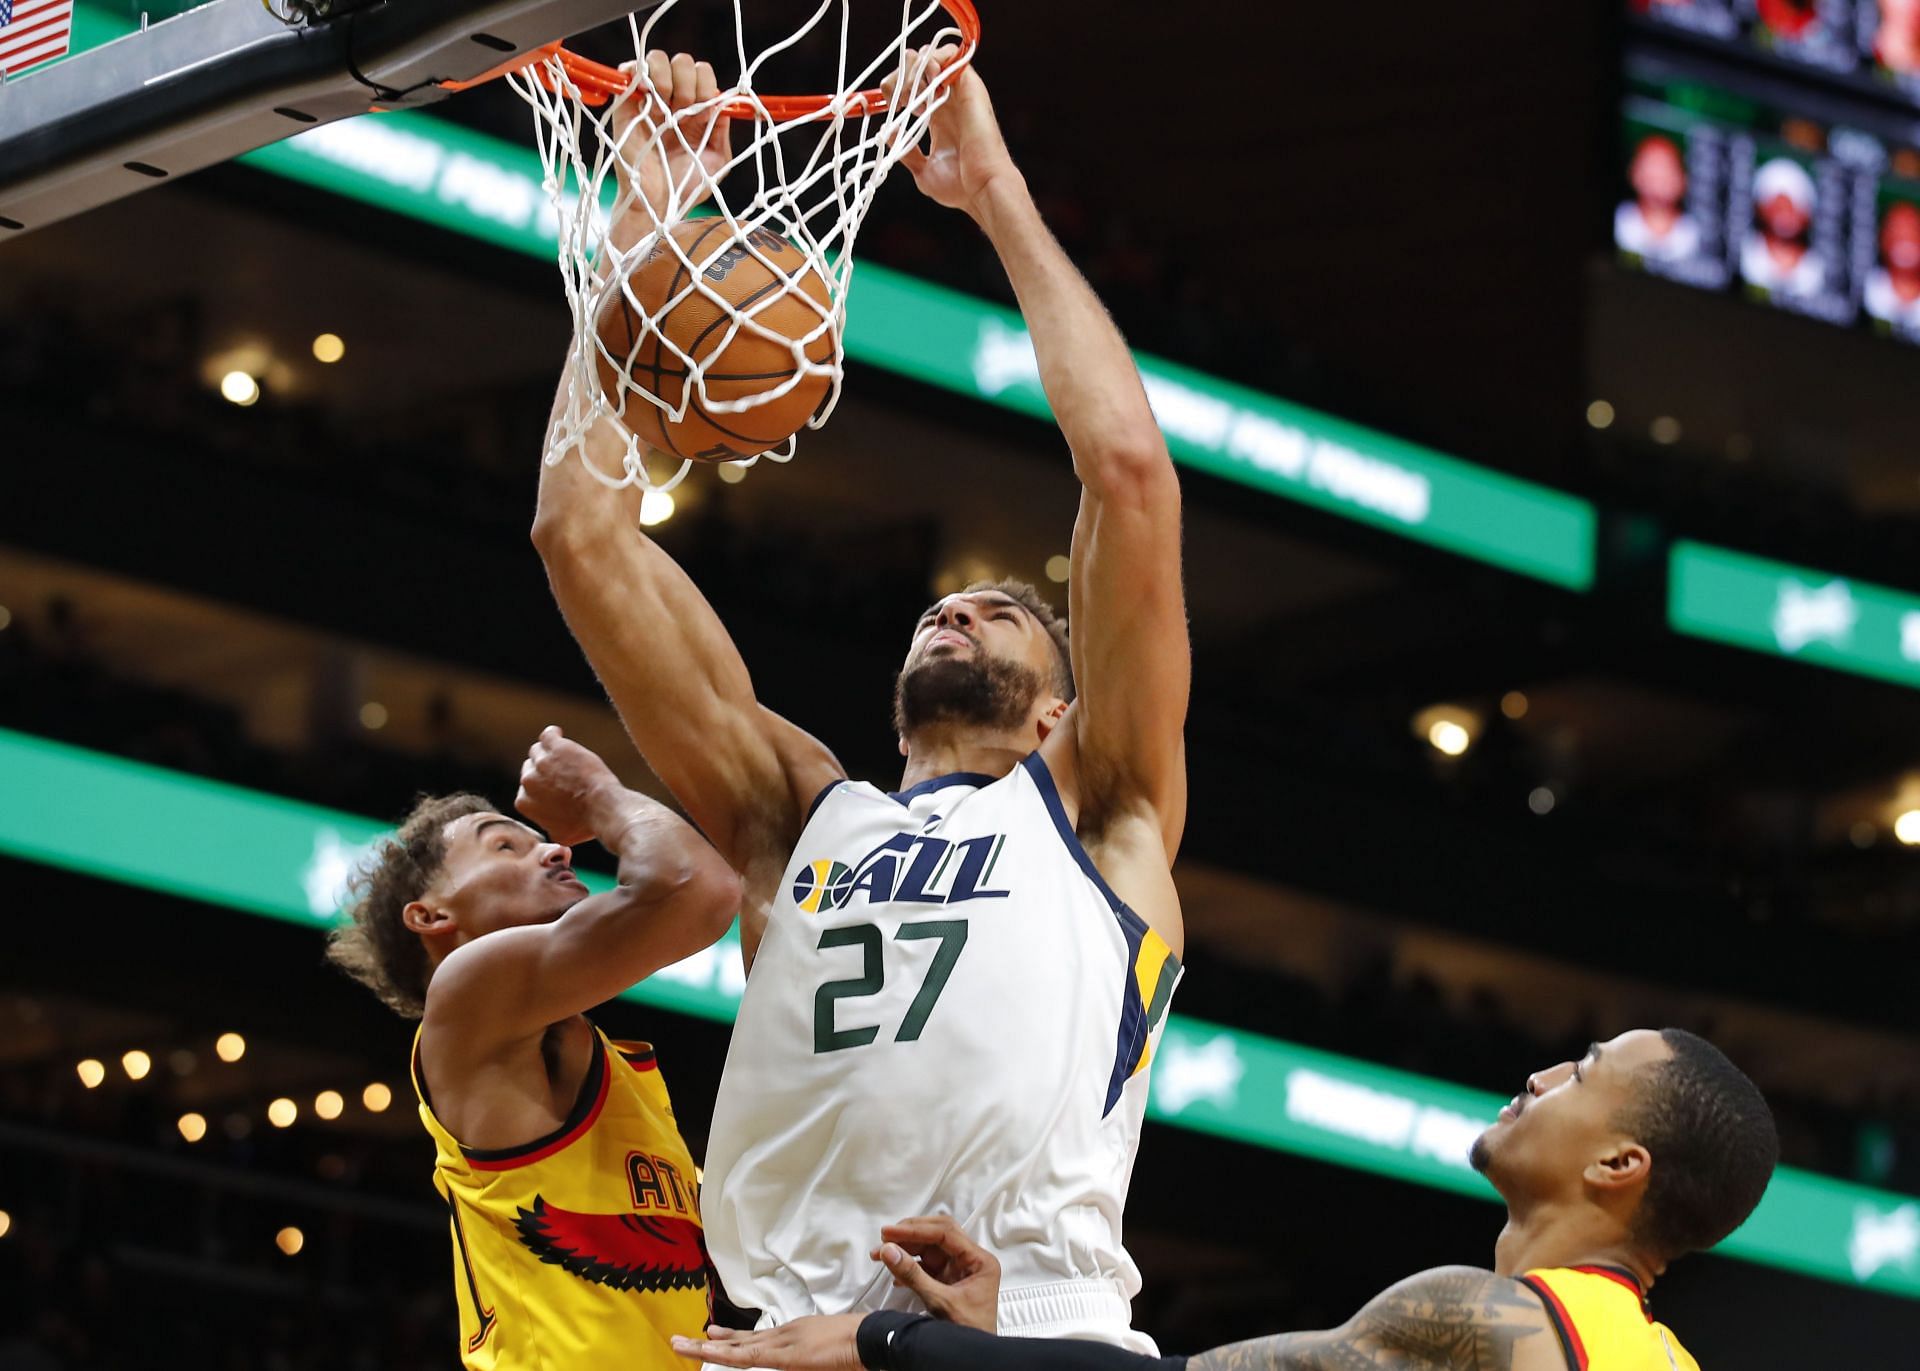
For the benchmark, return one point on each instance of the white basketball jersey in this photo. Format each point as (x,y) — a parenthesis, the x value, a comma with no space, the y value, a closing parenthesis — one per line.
(950,1012)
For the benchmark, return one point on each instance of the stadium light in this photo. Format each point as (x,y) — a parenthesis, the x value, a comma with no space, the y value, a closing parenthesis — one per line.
(239,388)
(732,473)
(1600,414)
(1058,568)
(230,1047)
(1541,800)
(328,1104)
(136,1064)
(282,1112)
(373,715)
(329,348)
(656,507)
(376,1098)
(1514,704)
(91,1073)
(290,1240)
(193,1127)
(6,1223)
(1907,828)
(1448,729)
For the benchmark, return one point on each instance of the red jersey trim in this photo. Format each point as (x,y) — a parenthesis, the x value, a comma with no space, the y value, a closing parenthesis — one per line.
(1563,1325)
(1621,1278)
(586,1109)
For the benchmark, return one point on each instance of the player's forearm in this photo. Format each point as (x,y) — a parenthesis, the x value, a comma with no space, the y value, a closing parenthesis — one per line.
(1086,368)
(897,1342)
(659,853)
(574,506)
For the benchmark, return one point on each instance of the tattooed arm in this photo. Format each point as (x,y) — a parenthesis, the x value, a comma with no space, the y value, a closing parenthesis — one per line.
(1452,1318)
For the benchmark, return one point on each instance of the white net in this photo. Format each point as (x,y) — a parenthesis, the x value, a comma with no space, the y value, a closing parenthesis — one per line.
(805,169)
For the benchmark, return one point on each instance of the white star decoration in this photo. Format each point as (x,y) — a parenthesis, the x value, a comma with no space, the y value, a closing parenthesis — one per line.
(328,873)
(1883,1239)
(1184,1074)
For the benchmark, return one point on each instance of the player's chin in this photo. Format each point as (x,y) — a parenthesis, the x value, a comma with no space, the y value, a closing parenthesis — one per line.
(1481,1155)
(556,904)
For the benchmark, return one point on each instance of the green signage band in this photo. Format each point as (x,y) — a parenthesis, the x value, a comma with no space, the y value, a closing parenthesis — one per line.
(491,189)
(293,861)
(1789,611)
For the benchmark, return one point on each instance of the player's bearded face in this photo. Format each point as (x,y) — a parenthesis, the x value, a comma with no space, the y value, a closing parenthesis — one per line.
(973,687)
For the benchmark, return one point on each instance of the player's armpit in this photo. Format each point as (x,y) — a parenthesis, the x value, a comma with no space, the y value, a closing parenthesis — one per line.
(1452,1318)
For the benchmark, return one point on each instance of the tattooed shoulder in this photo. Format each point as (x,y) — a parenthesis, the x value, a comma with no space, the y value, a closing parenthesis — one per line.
(1452,1318)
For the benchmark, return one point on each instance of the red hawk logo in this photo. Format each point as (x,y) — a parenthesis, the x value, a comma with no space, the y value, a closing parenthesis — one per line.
(623,1251)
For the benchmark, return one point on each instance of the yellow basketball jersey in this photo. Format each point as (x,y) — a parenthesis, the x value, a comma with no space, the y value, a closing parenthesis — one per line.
(1603,1321)
(583,1248)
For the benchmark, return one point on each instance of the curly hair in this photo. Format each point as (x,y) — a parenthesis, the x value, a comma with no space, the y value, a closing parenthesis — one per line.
(1054,623)
(1713,1142)
(377,948)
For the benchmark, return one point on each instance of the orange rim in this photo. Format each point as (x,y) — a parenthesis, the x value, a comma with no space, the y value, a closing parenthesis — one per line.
(595,83)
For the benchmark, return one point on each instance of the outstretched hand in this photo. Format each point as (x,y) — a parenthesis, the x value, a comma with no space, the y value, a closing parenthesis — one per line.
(676,170)
(966,151)
(817,1342)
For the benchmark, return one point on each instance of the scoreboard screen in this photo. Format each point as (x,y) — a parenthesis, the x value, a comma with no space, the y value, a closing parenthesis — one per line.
(1867,45)
(1736,181)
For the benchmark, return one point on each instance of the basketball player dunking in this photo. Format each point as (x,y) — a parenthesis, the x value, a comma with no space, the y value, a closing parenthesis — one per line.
(1649,1147)
(955,986)
(570,1195)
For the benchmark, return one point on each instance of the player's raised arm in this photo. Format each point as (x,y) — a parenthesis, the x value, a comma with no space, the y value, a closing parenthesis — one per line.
(743,774)
(1127,614)
(675,896)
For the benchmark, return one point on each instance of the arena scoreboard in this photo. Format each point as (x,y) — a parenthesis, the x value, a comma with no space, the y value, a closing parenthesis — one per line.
(1775,162)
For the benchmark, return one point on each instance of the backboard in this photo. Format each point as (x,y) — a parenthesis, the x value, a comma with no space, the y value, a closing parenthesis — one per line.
(218,79)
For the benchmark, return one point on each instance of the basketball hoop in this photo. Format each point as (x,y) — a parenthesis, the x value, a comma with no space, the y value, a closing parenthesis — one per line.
(817,162)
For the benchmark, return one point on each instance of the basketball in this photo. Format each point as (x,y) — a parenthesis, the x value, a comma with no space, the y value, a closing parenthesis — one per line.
(737,362)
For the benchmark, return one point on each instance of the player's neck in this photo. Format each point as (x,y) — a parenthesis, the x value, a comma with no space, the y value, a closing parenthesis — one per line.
(1550,1236)
(942,749)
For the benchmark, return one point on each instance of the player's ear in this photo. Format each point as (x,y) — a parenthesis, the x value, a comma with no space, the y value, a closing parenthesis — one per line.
(903,745)
(1050,717)
(1624,1165)
(422,918)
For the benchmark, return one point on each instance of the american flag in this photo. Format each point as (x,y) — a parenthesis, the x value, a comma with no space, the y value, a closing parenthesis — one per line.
(32,31)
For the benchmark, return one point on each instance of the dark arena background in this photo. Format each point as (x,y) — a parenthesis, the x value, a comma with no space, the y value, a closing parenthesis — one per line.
(1555,594)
